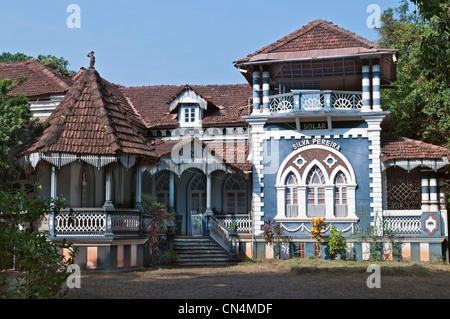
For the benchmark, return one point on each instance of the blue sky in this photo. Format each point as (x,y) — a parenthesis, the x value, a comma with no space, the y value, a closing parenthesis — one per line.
(140,43)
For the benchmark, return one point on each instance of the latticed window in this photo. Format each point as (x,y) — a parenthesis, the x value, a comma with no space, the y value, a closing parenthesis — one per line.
(316,192)
(403,189)
(291,196)
(340,195)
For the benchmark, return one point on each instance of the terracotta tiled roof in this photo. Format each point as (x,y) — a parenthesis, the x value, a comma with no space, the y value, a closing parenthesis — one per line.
(40,79)
(318,38)
(93,118)
(401,148)
(226,103)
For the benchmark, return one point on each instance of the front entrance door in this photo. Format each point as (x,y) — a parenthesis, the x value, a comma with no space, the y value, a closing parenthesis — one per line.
(197,203)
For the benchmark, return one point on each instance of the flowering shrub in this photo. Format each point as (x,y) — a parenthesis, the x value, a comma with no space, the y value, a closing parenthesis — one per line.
(318,228)
(273,233)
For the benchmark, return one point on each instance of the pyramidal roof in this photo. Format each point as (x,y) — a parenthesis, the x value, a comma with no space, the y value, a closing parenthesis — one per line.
(93,118)
(318,38)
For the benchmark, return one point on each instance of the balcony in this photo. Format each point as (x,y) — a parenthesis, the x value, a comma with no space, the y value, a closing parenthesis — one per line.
(310,101)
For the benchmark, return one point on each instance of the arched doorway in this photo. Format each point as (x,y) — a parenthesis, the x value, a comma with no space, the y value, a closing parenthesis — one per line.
(197,203)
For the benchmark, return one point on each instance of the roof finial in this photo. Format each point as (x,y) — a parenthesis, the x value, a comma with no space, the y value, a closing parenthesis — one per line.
(92,61)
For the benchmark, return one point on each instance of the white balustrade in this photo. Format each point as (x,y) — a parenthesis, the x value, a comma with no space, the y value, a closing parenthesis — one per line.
(96,222)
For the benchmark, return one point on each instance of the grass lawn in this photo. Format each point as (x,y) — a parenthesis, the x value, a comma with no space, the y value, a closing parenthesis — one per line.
(271,279)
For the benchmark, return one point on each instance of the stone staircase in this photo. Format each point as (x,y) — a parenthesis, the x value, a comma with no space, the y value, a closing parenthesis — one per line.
(200,251)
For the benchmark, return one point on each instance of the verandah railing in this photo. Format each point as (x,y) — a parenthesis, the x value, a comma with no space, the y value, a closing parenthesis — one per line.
(243,222)
(94,222)
(222,235)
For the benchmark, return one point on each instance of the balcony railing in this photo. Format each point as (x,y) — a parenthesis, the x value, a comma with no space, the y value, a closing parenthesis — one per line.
(243,222)
(92,222)
(315,101)
(402,222)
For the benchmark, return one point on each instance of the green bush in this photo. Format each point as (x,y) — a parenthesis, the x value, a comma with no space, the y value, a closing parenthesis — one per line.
(41,269)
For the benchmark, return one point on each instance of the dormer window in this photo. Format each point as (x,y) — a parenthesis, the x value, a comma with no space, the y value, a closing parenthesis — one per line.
(190,106)
(189,115)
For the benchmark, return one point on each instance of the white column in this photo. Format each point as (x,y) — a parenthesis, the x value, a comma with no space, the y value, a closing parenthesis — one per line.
(442,199)
(351,200)
(108,205)
(329,201)
(138,186)
(256,93)
(266,92)
(171,192)
(425,195)
(208,193)
(365,85)
(302,201)
(281,201)
(376,85)
(434,204)
(54,183)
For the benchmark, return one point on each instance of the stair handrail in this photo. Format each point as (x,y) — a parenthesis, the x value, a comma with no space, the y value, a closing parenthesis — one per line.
(219,232)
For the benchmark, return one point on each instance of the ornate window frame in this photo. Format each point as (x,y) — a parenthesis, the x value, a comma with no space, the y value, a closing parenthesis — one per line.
(329,185)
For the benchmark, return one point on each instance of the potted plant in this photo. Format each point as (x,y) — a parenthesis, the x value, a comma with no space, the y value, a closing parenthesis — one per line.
(336,243)
(154,219)
(233,227)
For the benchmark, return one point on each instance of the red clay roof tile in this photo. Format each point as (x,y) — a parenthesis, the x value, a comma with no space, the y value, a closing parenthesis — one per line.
(40,79)
(93,118)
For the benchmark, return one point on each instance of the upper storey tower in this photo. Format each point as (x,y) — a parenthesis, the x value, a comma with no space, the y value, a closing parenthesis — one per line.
(319,68)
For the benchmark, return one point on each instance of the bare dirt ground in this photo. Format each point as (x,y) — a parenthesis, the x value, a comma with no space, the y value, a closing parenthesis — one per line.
(287,279)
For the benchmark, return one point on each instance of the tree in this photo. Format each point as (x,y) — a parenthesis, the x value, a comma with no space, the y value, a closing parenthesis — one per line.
(16,57)
(58,64)
(17,129)
(420,105)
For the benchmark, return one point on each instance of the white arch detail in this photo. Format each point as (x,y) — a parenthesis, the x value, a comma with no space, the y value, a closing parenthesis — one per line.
(329,184)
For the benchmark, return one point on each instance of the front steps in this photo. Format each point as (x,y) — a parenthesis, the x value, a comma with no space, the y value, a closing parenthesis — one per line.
(200,251)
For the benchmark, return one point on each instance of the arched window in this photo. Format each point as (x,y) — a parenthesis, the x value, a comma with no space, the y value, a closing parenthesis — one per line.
(235,195)
(291,196)
(340,195)
(162,189)
(316,192)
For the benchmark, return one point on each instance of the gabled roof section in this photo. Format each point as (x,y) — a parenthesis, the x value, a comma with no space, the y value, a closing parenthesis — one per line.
(94,118)
(234,155)
(318,38)
(40,79)
(187,95)
(152,103)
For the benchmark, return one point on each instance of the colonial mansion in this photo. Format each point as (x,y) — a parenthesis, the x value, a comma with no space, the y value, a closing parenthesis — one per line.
(306,136)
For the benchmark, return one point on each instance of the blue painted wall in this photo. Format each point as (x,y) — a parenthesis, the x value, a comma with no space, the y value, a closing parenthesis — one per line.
(356,150)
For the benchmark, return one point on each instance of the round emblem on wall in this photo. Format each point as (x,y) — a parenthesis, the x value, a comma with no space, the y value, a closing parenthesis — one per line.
(330,161)
(300,161)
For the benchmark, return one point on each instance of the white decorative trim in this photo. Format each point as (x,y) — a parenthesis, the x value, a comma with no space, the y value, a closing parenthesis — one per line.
(309,134)
(300,158)
(333,161)
(303,227)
